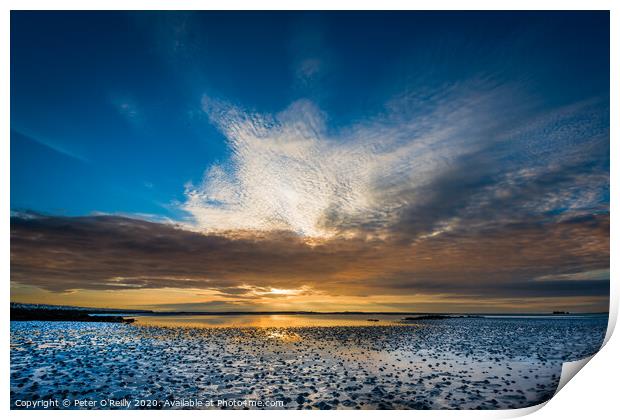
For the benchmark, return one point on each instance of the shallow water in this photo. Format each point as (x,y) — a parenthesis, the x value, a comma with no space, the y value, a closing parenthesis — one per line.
(456,363)
(279,321)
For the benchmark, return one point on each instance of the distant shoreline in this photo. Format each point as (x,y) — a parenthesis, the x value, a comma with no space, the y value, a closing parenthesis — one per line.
(38,314)
(27,312)
(446,314)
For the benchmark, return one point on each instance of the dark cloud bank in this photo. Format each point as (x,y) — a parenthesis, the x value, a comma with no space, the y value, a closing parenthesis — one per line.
(516,260)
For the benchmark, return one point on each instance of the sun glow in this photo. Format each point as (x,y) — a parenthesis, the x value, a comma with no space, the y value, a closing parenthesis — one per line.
(276,291)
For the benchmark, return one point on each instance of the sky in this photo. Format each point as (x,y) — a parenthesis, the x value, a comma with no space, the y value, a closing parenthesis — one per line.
(327,161)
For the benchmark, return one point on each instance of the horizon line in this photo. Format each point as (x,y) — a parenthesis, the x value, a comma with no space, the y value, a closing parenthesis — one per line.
(182,312)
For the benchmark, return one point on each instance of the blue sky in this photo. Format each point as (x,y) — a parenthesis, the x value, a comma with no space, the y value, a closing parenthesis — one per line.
(106,111)
(337,161)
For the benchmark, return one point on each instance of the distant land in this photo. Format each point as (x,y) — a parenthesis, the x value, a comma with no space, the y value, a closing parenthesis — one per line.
(32,306)
(43,312)
(22,313)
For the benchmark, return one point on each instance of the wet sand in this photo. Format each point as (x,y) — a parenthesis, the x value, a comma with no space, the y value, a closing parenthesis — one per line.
(427,364)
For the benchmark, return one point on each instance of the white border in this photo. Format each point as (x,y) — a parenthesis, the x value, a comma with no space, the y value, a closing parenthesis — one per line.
(592,395)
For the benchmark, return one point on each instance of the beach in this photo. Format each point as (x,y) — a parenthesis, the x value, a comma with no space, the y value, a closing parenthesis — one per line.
(459,363)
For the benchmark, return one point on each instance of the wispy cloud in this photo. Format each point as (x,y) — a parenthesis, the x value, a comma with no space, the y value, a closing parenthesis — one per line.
(128,108)
(464,155)
(50,144)
(602,274)
(308,70)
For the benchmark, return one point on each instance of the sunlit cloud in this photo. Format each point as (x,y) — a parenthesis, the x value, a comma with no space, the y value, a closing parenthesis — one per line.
(289,172)
(432,161)
(114,254)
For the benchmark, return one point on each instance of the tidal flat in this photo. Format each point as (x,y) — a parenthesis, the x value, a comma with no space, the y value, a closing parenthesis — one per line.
(460,363)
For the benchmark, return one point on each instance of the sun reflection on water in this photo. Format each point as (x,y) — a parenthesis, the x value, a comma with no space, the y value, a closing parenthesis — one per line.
(266,321)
